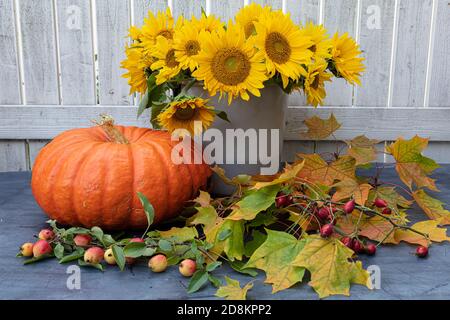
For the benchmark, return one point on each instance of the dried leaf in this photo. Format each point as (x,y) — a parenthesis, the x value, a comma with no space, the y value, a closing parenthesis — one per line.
(233,290)
(362,149)
(288,175)
(320,129)
(349,188)
(432,207)
(412,166)
(429,227)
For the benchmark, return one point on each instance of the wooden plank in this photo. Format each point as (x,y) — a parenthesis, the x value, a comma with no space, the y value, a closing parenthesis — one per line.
(377,22)
(12,156)
(142,7)
(340,16)
(224,9)
(275,4)
(44,122)
(188,8)
(302,12)
(39,52)
(76,52)
(34,146)
(440,73)
(113,19)
(412,53)
(9,81)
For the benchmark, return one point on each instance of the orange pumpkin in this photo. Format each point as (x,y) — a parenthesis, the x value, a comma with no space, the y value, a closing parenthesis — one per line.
(90,177)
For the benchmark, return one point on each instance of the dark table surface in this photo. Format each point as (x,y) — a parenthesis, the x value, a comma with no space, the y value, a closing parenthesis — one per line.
(403,276)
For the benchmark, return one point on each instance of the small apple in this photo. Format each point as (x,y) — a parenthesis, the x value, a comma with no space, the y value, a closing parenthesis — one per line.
(109,257)
(158,263)
(187,267)
(41,247)
(94,255)
(137,240)
(46,234)
(27,249)
(82,240)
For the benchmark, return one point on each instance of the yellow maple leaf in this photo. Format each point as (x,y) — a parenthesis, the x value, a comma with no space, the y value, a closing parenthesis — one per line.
(429,227)
(351,188)
(328,261)
(362,149)
(320,129)
(317,170)
(289,174)
(411,165)
(275,257)
(432,207)
(233,290)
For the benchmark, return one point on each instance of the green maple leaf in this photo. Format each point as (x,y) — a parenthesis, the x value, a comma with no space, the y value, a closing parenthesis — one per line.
(433,208)
(233,290)
(180,234)
(275,257)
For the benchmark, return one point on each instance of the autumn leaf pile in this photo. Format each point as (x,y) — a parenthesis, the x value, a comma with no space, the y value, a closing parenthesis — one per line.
(275,224)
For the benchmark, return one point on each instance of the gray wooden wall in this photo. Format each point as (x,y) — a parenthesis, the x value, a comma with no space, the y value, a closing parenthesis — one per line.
(59,67)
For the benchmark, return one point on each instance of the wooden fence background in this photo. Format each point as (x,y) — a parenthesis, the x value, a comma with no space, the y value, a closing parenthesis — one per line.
(59,67)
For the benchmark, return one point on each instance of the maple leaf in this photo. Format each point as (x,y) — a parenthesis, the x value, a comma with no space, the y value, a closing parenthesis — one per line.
(429,227)
(233,290)
(328,262)
(432,207)
(254,203)
(390,195)
(275,257)
(362,149)
(411,165)
(180,234)
(289,174)
(351,188)
(317,170)
(320,129)
(204,199)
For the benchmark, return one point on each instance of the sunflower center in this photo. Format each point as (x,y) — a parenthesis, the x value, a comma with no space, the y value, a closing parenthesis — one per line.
(185,113)
(277,47)
(230,66)
(249,29)
(171,62)
(192,47)
(168,34)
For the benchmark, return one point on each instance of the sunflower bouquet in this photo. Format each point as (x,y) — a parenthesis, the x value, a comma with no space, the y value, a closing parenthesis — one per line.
(261,47)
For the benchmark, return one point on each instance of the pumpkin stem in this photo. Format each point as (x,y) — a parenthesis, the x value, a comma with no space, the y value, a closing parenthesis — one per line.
(107,124)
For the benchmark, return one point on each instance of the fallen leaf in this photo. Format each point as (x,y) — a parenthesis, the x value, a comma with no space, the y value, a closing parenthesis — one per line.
(288,175)
(180,234)
(320,129)
(429,227)
(328,261)
(233,290)
(432,207)
(362,149)
(349,188)
(275,257)
(390,195)
(411,165)
(233,245)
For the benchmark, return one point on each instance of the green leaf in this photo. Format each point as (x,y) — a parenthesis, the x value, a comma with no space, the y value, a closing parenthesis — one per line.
(233,290)
(180,234)
(238,266)
(97,233)
(233,245)
(143,104)
(256,202)
(135,249)
(108,240)
(155,111)
(214,281)
(223,115)
(165,245)
(224,234)
(213,266)
(33,260)
(119,256)
(58,251)
(82,263)
(258,238)
(148,209)
(197,281)
(77,254)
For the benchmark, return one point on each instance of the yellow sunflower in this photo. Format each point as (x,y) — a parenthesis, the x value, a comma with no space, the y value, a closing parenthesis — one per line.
(184,113)
(136,64)
(322,44)
(135,33)
(346,58)
(154,26)
(248,15)
(315,80)
(208,23)
(187,45)
(284,46)
(230,64)
(166,62)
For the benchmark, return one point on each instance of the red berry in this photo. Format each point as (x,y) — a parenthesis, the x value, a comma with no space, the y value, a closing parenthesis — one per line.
(324,213)
(387,211)
(371,249)
(326,230)
(348,242)
(422,252)
(357,246)
(349,207)
(283,200)
(380,203)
